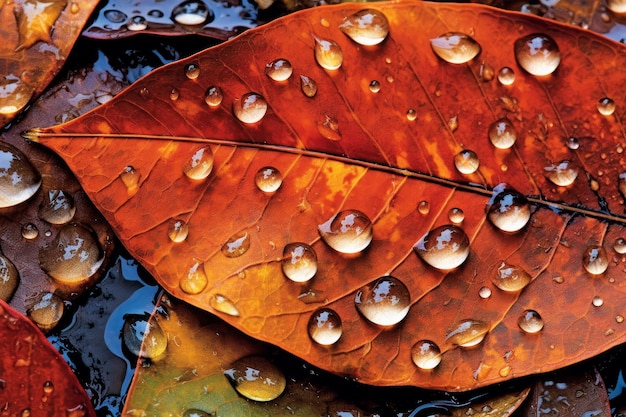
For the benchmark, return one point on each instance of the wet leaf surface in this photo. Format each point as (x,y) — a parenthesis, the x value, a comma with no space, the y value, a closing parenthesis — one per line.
(338,162)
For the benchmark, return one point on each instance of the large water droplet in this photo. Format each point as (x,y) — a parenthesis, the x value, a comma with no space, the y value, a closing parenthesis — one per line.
(606,106)
(349,231)
(538,54)
(47,311)
(328,54)
(200,165)
(308,86)
(279,69)
(57,207)
(18,178)
(177,231)
(115,16)
(192,13)
(142,337)
(455,47)
(250,108)
(506,76)
(256,378)
(467,333)
(195,281)
(530,321)
(445,247)
(562,174)
(73,256)
(192,70)
(509,210)
(137,23)
(466,162)
(214,96)
(299,262)
(511,278)
(426,354)
(325,326)
(502,133)
(9,278)
(237,245)
(595,260)
(268,179)
(224,305)
(385,301)
(366,27)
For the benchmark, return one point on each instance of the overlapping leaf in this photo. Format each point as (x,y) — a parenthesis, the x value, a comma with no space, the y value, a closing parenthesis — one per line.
(349,147)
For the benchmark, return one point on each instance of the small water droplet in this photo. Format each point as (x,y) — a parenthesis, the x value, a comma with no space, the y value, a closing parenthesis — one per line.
(530,321)
(195,280)
(467,332)
(505,371)
(325,326)
(268,179)
(25,413)
(47,311)
(308,86)
(455,47)
(250,108)
(57,207)
(349,231)
(411,114)
(486,72)
(192,70)
(619,319)
(511,278)
(466,162)
(597,301)
(453,123)
(192,13)
(328,54)
(484,292)
(19,180)
(423,207)
(606,106)
(130,179)
(328,126)
(562,174)
(374,86)
(178,231)
(385,301)
(237,245)
(144,92)
(445,247)
(174,94)
(224,305)
(74,8)
(194,412)
(426,354)
(456,215)
(279,69)
(200,164)
(137,23)
(115,16)
(508,210)
(256,378)
(502,133)
(48,387)
(595,260)
(30,231)
(137,329)
(155,13)
(573,143)
(538,54)
(299,262)
(506,76)
(366,27)
(620,245)
(621,184)
(9,278)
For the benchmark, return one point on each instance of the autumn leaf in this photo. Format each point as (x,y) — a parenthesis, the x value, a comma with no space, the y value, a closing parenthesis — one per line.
(489,177)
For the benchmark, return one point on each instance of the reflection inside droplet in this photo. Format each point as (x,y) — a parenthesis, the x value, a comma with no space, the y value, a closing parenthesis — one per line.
(562,174)
(224,305)
(511,278)
(144,338)
(466,162)
(308,86)
(200,164)
(530,321)
(385,302)
(47,311)
(250,108)
(426,354)
(214,96)
(191,13)
(137,23)
(366,27)
(595,260)
(57,207)
(328,54)
(237,245)
(349,231)
(299,262)
(467,333)
(279,69)
(455,47)
(606,106)
(19,180)
(538,54)
(325,326)
(508,210)
(268,179)
(9,278)
(502,133)
(256,378)
(445,247)
(506,76)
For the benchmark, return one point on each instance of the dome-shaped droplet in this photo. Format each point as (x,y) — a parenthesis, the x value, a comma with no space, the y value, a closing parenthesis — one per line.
(466,162)
(573,143)
(214,96)
(349,231)
(115,16)
(445,247)
(279,69)
(250,108)
(511,278)
(130,179)
(595,260)
(194,412)
(195,280)
(506,76)
(177,231)
(19,180)
(411,114)
(256,378)
(328,127)
(621,184)
(224,305)
(192,13)
(308,86)
(192,70)
(374,86)
(456,215)
(467,333)
(502,133)
(138,329)
(73,256)
(9,278)
(57,207)
(616,6)
(268,179)
(484,292)
(385,301)
(236,245)
(366,27)
(299,262)
(48,387)
(30,231)
(200,164)
(328,54)
(423,207)
(508,210)
(455,47)
(619,245)
(597,301)
(174,94)
(156,13)
(426,354)
(325,326)
(530,321)
(137,23)
(606,106)
(562,174)
(538,54)
(47,311)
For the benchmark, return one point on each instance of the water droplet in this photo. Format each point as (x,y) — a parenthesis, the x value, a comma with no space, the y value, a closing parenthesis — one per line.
(47,311)
(366,27)
(325,326)
(214,96)
(619,319)
(486,72)
(195,281)
(155,13)
(237,245)
(423,207)
(130,179)
(595,260)
(385,301)
(467,332)
(426,354)
(530,321)
(573,143)
(137,23)
(453,123)
(115,16)
(19,180)
(200,165)
(456,215)
(455,47)
(250,108)
(73,256)
(606,106)
(328,126)
(375,86)
(256,378)
(508,210)
(511,278)
(328,54)
(484,292)
(562,174)
(616,6)
(538,54)
(299,262)
(30,231)
(411,114)
(506,76)
(279,69)
(597,301)
(621,184)
(194,412)
(178,231)
(9,278)
(26,413)
(268,179)
(174,94)
(502,133)
(48,387)
(308,86)
(620,245)
(445,247)
(224,305)
(192,70)
(142,337)
(349,231)
(466,162)
(144,92)
(192,13)
(57,207)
